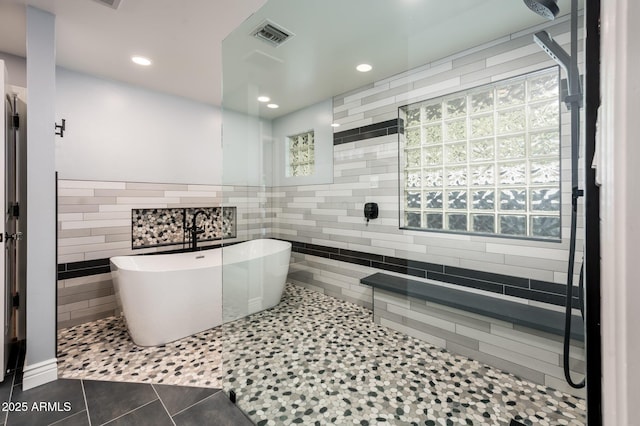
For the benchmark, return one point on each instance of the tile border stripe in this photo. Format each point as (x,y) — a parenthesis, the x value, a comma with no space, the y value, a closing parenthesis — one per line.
(384,128)
(101,266)
(525,288)
(530,289)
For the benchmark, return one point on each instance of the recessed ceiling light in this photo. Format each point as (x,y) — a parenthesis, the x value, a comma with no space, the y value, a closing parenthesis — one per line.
(263,99)
(141,60)
(364,67)
(273,106)
(335,124)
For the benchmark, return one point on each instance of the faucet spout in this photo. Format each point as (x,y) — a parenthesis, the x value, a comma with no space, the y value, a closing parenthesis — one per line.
(195,230)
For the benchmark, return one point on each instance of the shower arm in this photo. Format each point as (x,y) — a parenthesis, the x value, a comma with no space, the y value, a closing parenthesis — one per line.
(568,62)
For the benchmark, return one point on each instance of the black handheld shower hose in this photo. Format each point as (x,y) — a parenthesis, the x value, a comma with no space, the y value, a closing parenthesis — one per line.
(574,102)
(549,9)
(569,300)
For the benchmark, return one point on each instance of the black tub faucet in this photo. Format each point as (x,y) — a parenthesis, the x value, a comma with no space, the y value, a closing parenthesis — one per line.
(195,230)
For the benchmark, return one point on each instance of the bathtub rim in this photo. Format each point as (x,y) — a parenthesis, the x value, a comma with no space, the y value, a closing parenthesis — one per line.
(117,261)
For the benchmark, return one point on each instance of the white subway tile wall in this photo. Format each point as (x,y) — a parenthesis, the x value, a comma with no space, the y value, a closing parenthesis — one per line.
(367,171)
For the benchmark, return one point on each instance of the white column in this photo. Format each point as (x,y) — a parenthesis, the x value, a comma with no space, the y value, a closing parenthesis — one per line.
(620,211)
(40,364)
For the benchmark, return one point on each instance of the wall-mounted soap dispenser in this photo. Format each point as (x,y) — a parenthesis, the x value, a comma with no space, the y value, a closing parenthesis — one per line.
(370,211)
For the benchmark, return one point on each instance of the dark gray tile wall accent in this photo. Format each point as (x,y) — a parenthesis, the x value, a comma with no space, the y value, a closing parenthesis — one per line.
(525,288)
(83,268)
(100,266)
(384,128)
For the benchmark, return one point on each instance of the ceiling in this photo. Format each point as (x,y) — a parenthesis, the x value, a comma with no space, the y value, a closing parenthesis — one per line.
(331,37)
(181,37)
(184,38)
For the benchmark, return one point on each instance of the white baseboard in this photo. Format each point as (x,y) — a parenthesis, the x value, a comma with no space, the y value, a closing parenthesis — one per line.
(40,373)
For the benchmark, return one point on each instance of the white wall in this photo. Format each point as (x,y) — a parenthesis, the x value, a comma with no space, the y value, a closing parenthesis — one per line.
(246,145)
(121,132)
(619,206)
(4,81)
(318,118)
(40,363)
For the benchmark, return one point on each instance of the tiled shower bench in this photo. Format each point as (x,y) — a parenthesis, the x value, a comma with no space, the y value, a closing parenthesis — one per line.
(519,338)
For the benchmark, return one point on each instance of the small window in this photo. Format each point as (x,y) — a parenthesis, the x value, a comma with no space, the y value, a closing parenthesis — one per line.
(484,161)
(301,158)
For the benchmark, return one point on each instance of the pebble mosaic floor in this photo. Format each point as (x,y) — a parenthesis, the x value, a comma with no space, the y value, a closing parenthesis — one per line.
(314,359)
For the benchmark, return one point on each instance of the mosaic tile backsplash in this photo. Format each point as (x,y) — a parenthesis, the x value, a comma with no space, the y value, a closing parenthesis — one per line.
(162,227)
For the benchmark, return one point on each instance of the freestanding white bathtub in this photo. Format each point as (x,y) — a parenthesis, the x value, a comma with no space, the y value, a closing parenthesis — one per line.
(170,296)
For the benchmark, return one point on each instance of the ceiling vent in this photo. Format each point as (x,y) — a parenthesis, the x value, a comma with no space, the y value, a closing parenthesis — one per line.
(113,4)
(271,33)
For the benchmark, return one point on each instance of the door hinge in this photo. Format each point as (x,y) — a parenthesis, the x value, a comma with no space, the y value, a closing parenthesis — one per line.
(16,121)
(15,237)
(16,300)
(15,210)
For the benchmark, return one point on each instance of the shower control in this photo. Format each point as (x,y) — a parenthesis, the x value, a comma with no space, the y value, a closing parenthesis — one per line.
(370,211)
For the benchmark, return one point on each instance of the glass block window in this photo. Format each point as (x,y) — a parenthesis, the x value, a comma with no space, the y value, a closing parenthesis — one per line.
(301,157)
(484,161)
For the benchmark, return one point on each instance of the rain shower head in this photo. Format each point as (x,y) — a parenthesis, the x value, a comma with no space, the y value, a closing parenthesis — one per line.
(545,8)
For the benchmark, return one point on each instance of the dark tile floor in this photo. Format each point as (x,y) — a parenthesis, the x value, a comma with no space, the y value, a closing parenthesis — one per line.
(71,402)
